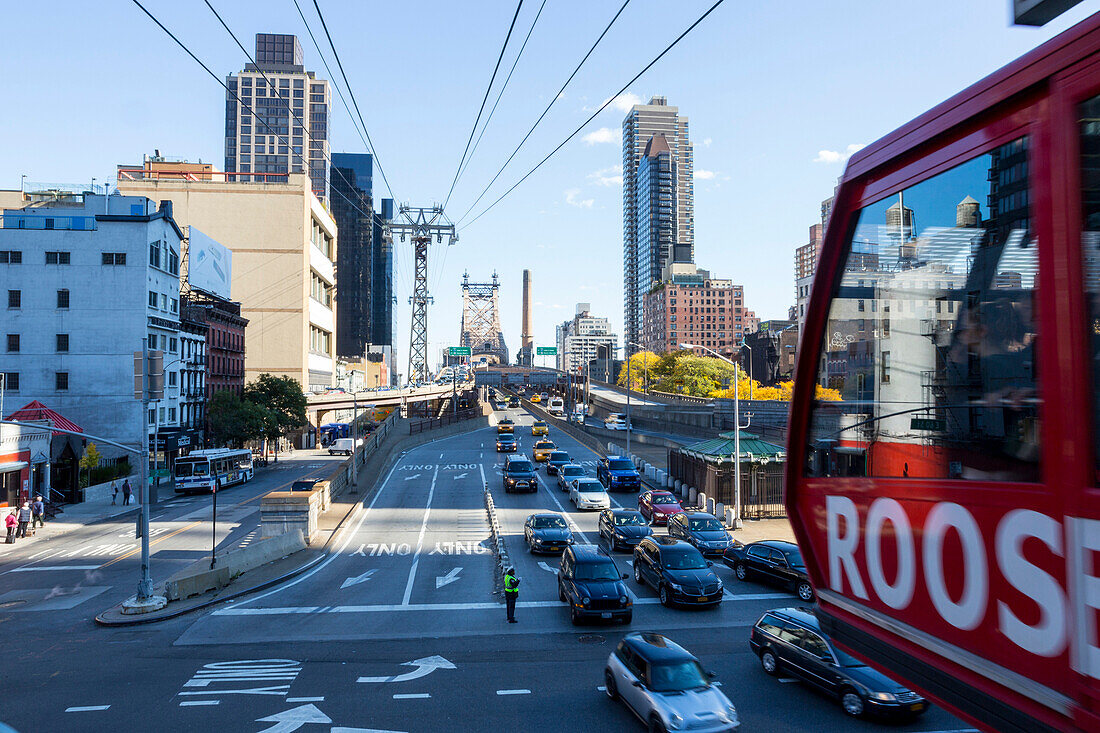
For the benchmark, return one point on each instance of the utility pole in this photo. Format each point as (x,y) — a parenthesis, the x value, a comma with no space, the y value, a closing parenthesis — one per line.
(421,224)
(149,384)
(355,443)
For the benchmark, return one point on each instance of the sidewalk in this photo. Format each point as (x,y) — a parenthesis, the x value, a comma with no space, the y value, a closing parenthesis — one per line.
(72,516)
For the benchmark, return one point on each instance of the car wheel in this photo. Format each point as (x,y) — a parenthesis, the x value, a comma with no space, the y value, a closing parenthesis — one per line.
(656,726)
(637,573)
(769,662)
(740,571)
(609,684)
(663,594)
(852,703)
(805,592)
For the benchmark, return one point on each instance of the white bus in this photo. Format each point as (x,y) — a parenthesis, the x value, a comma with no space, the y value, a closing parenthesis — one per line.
(556,406)
(196,471)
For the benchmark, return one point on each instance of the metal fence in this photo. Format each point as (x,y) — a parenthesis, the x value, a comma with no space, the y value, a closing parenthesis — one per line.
(419,426)
(761,484)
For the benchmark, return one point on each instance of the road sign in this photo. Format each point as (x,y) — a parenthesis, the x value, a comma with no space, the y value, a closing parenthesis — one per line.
(459,351)
(927,423)
(546,351)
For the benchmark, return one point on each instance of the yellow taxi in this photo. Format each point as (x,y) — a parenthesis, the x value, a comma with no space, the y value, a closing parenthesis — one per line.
(535,398)
(539,427)
(506,425)
(542,450)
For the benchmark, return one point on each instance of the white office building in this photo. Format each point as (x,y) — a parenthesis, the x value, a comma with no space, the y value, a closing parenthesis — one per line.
(83,279)
(582,339)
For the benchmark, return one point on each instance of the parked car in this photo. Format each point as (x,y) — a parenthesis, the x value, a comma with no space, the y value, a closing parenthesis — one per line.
(773,561)
(506,425)
(623,527)
(343,446)
(618,473)
(701,530)
(590,582)
(665,686)
(677,571)
(569,473)
(588,493)
(555,461)
(519,473)
(542,450)
(539,427)
(790,641)
(657,505)
(506,443)
(546,533)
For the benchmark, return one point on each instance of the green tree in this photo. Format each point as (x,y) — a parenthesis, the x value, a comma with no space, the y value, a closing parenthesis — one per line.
(90,460)
(284,401)
(234,420)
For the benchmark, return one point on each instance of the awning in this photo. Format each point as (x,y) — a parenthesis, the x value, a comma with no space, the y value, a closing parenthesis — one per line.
(722,448)
(12,466)
(37,411)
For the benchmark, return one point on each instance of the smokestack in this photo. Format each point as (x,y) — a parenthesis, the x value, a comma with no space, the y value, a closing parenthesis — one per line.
(526,337)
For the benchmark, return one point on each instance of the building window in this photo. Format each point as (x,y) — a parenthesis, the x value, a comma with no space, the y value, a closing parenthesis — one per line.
(61,380)
(171,379)
(173,262)
(172,345)
(63,298)
(56,258)
(13,342)
(15,298)
(154,254)
(114,258)
(62,342)
(885,362)
(320,290)
(10,257)
(171,414)
(153,299)
(11,381)
(173,305)
(320,341)
(162,414)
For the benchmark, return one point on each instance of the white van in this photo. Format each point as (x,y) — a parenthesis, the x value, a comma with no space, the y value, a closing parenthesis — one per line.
(341,445)
(556,407)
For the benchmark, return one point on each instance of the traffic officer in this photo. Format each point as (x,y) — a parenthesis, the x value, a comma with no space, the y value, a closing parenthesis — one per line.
(511,592)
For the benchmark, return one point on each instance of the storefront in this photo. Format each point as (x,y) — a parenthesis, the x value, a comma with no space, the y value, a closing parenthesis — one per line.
(23,451)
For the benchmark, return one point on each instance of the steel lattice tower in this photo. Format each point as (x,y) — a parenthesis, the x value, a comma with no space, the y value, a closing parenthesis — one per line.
(421,224)
(481,319)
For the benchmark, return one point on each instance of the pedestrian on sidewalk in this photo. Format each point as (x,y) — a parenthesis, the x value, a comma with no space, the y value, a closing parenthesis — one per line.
(38,513)
(24,517)
(511,593)
(11,522)
(114,492)
(126,491)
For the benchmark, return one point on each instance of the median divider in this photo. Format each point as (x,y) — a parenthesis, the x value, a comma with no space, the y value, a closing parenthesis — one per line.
(499,549)
(200,577)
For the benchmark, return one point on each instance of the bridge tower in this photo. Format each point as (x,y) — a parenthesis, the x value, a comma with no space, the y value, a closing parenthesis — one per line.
(481,320)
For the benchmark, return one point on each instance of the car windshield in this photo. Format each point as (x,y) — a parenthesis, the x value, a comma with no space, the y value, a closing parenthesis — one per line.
(678,676)
(544,445)
(664,499)
(592,486)
(548,523)
(597,571)
(684,561)
(520,466)
(572,471)
(506,438)
(629,520)
(559,456)
(621,464)
(538,424)
(706,525)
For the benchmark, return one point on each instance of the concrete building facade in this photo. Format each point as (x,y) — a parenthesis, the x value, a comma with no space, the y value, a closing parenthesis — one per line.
(690,306)
(284,250)
(582,338)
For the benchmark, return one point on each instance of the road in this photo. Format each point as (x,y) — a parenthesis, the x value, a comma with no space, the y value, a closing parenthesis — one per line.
(398,629)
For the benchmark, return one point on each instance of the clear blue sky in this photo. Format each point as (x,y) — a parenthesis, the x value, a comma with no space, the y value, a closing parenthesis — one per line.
(767,87)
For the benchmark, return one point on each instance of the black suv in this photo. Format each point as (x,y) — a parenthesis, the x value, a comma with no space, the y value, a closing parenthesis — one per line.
(618,474)
(774,561)
(789,640)
(513,401)
(701,530)
(590,583)
(677,572)
(519,474)
(506,443)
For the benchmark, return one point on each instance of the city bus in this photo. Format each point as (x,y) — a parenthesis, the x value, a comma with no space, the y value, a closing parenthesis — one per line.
(948,505)
(196,471)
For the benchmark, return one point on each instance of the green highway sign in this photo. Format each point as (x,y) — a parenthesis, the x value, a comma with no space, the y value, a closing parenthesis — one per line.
(546,351)
(459,351)
(926,423)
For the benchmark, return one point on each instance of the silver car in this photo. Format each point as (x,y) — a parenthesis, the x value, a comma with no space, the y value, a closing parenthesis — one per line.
(665,686)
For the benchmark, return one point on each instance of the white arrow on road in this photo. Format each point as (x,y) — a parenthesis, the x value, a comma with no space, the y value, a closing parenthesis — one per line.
(410,478)
(356,581)
(442,580)
(461,475)
(293,719)
(547,568)
(424,666)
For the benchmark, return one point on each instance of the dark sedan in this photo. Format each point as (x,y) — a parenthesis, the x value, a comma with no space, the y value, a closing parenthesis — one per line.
(701,530)
(773,561)
(506,443)
(547,533)
(623,527)
(677,572)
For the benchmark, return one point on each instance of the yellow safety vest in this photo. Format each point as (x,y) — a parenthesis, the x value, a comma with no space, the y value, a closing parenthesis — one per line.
(511,585)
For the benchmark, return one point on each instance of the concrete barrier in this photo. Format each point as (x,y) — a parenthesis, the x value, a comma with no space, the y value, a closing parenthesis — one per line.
(729,516)
(199,578)
(720,511)
(285,511)
(710,506)
(691,496)
(701,502)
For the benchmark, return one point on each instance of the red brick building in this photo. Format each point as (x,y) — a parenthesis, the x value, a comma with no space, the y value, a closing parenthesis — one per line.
(224,341)
(690,306)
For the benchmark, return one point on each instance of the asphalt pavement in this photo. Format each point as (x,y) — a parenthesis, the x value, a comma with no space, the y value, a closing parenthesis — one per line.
(399,629)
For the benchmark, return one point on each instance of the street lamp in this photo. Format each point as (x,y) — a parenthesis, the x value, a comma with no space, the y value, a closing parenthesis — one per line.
(737,427)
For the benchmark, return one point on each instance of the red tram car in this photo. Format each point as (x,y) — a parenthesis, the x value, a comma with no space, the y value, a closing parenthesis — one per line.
(949,504)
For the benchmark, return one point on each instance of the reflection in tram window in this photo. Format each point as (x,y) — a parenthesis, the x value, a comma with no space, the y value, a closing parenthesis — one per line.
(931,334)
(1090,233)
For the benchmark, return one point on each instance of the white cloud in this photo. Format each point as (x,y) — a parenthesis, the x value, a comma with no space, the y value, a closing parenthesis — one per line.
(622,103)
(704,175)
(612,176)
(833,156)
(706,142)
(572,200)
(602,135)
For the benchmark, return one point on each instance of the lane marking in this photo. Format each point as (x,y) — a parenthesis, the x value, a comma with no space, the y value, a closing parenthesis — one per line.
(28,569)
(411,696)
(152,542)
(305,699)
(191,703)
(513,692)
(86,708)
(420,541)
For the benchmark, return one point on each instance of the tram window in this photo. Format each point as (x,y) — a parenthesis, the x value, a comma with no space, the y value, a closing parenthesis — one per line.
(945,385)
(1090,234)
